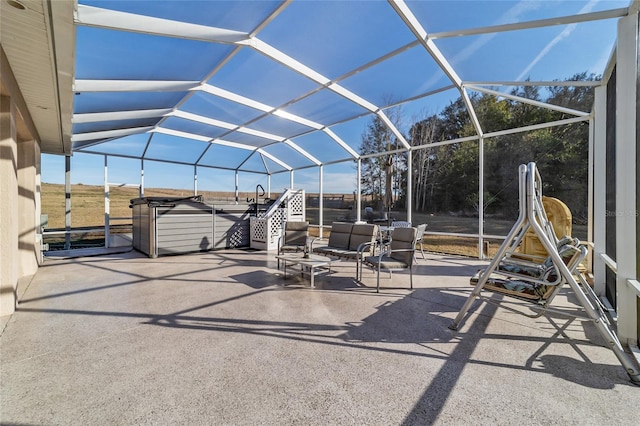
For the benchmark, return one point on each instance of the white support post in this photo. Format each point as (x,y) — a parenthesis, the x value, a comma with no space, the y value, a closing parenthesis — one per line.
(358,190)
(320,198)
(590,172)
(291,179)
(141,191)
(409,185)
(626,176)
(481,198)
(67,202)
(597,167)
(269,186)
(237,188)
(195,180)
(106,203)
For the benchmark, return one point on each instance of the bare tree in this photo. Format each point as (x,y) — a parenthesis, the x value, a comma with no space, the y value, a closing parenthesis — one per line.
(378,172)
(423,132)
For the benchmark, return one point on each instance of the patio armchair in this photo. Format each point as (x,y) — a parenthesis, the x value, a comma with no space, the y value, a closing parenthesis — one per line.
(419,237)
(397,255)
(295,237)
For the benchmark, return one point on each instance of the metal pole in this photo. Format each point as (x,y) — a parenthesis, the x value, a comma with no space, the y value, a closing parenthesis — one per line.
(237,188)
(512,240)
(590,173)
(409,185)
(599,190)
(67,202)
(358,190)
(195,179)
(269,186)
(141,191)
(626,177)
(291,179)
(320,198)
(106,203)
(481,198)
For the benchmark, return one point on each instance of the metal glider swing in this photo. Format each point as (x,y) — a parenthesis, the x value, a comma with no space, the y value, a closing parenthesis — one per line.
(536,280)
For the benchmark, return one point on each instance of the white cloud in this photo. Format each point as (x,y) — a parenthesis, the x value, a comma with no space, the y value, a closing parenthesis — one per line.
(557,39)
(510,16)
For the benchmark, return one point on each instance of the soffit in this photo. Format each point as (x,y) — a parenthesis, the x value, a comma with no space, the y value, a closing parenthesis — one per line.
(41,60)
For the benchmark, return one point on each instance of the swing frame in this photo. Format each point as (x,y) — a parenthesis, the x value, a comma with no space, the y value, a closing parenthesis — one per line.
(532,215)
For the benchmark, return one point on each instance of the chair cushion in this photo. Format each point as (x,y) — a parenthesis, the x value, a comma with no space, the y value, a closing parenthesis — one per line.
(295,238)
(296,233)
(386,262)
(524,289)
(566,252)
(403,239)
(535,271)
(330,251)
(296,226)
(340,233)
(362,233)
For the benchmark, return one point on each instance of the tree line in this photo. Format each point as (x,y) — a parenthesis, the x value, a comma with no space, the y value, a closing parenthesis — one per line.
(445,177)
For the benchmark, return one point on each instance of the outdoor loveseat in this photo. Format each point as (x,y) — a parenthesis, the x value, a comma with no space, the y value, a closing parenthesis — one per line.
(346,238)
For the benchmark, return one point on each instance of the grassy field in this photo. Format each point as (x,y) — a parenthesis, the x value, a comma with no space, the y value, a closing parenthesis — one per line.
(87,202)
(87,210)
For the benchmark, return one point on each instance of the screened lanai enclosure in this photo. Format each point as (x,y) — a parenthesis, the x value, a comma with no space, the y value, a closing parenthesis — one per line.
(418,111)
(379,110)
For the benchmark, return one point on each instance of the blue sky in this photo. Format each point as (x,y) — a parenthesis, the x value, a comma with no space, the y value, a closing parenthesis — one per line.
(333,43)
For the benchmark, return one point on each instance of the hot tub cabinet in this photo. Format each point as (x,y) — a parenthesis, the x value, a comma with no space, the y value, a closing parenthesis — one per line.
(231,226)
(169,226)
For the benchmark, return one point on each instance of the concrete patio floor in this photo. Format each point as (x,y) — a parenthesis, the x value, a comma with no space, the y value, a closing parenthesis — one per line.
(218,338)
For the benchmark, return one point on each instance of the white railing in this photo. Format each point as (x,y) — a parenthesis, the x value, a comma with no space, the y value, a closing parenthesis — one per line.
(267,228)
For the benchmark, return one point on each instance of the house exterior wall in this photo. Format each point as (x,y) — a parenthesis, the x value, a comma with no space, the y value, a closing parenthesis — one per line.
(20,238)
(8,207)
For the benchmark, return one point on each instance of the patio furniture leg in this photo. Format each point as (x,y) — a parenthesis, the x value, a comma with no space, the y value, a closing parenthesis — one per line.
(285,269)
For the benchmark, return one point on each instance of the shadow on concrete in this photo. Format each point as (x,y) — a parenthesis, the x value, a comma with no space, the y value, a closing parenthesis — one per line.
(403,318)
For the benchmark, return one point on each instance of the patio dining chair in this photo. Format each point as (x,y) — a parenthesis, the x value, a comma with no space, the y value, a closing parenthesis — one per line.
(419,237)
(295,237)
(396,256)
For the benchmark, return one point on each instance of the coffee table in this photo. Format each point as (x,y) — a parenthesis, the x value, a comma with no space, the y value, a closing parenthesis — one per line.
(312,265)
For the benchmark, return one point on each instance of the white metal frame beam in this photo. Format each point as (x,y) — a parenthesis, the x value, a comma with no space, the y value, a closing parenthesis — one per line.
(627,140)
(86,85)
(299,149)
(533,102)
(313,75)
(91,16)
(274,159)
(598,172)
(340,142)
(96,117)
(525,83)
(105,18)
(106,134)
(225,125)
(230,96)
(222,142)
(410,20)
(540,23)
